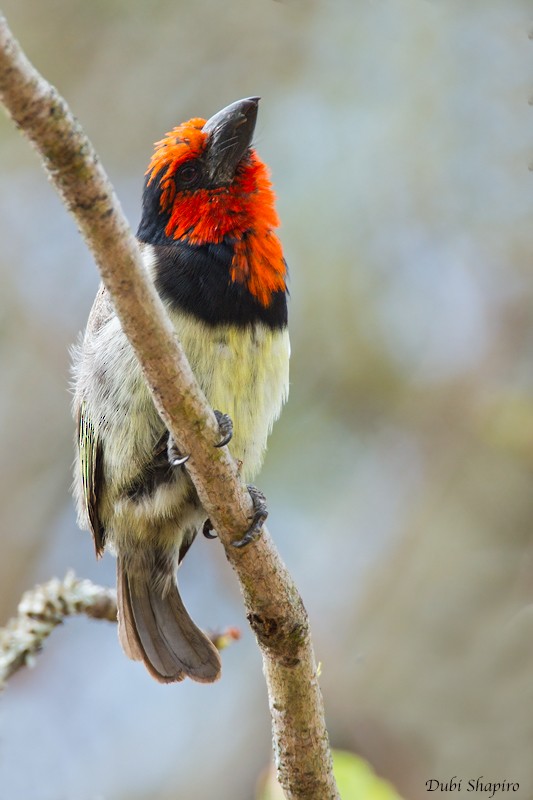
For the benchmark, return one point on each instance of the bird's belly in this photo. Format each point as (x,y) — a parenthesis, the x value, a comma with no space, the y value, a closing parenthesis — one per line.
(244,372)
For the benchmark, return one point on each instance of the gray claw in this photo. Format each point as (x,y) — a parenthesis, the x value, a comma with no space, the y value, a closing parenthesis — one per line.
(258,519)
(225,426)
(179,461)
(174,456)
(208,530)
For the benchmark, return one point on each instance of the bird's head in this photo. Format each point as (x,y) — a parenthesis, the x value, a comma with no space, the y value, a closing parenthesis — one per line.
(206,185)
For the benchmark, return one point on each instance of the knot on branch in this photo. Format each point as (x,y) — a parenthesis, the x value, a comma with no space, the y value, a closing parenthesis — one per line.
(282,636)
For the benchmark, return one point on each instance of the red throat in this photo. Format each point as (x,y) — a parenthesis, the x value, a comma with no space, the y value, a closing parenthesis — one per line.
(243,211)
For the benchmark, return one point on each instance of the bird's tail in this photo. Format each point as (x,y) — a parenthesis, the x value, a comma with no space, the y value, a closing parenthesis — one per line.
(155,628)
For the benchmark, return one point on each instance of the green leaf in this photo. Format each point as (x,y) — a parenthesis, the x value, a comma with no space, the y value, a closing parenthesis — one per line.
(355,778)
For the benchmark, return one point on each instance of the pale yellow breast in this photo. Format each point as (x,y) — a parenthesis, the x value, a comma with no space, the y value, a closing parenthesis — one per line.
(243,373)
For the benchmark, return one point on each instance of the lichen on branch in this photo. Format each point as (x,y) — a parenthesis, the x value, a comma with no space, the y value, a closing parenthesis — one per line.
(41,610)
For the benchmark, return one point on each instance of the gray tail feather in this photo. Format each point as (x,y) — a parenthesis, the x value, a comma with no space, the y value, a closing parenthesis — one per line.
(155,628)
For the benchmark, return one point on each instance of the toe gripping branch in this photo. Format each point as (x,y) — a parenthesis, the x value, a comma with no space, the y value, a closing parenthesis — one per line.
(225,426)
(175,458)
(260,514)
(254,531)
(259,517)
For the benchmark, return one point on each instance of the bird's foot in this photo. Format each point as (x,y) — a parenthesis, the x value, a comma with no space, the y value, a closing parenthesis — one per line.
(208,530)
(260,515)
(255,529)
(225,426)
(174,456)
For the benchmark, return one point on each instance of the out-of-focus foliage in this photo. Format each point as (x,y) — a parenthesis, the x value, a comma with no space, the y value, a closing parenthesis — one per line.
(399,477)
(355,780)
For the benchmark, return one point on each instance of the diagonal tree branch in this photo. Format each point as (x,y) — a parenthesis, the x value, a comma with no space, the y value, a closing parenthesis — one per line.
(274,607)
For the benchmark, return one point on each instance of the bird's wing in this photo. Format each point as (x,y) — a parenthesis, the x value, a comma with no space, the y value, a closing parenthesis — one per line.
(91,463)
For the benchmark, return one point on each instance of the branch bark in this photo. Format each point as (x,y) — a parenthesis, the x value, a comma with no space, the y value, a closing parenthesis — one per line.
(41,610)
(274,607)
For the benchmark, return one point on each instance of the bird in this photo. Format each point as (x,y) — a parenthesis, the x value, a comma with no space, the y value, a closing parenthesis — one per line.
(208,240)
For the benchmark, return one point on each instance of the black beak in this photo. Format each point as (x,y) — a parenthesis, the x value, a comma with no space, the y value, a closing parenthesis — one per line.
(230,135)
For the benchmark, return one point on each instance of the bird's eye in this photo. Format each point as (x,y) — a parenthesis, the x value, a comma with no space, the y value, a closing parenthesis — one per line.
(188,174)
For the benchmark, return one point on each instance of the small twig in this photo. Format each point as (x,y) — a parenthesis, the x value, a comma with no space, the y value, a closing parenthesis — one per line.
(41,610)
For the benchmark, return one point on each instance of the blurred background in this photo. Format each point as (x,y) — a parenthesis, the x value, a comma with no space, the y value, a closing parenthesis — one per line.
(399,478)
